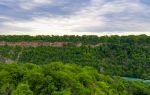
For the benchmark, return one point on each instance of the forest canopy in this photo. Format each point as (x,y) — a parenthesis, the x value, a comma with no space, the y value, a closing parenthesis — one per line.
(92,39)
(61,79)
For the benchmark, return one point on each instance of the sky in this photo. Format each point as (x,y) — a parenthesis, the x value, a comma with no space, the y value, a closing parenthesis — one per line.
(74,17)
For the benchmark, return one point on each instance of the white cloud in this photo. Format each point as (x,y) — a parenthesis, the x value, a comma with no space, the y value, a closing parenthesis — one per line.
(4,17)
(31,4)
(83,22)
(57,24)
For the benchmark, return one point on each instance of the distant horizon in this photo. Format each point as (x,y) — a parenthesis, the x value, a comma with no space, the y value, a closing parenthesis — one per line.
(130,34)
(95,34)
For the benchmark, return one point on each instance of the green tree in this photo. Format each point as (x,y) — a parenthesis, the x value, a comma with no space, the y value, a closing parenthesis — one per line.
(22,89)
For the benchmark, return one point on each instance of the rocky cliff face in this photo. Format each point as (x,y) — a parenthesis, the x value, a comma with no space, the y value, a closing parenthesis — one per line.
(35,44)
(5,60)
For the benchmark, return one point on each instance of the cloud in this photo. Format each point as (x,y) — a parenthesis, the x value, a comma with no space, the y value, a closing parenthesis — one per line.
(66,24)
(97,17)
(57,24)
(30,4)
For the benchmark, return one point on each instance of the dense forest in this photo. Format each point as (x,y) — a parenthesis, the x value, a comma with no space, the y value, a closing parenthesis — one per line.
(91,39)
(72,70)
(60,79)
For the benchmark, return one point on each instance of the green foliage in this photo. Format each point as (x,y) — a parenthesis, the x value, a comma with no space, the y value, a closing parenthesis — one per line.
(60,79)
(22,89)
(86,39)
(122,59)
(127,56)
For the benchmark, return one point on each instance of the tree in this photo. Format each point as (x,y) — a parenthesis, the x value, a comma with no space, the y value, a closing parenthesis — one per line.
(22,89)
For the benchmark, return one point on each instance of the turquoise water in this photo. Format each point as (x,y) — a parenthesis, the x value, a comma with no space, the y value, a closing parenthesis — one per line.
(136,79)
(147,81)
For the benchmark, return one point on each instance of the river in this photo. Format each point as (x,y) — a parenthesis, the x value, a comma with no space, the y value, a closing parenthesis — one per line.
(136,79)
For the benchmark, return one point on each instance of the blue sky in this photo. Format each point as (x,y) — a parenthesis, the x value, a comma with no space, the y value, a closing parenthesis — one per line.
(74,17)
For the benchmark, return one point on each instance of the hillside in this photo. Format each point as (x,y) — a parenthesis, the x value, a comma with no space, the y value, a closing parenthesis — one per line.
(124,56)
(74,65)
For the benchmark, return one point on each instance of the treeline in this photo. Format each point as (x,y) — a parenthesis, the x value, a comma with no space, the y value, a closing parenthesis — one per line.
(126,60)
(91,39)
(60,79)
